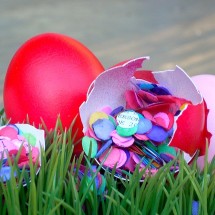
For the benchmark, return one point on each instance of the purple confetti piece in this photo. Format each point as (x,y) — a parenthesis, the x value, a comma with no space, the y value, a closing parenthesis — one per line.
(143,126)
(157,134)
(103,128)
(158,90)
(104,148)
(127,154)
(170,132)
(117,110)
(165,157)
(97,182)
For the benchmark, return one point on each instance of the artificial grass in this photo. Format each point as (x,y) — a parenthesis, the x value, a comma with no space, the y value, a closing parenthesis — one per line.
(56,189)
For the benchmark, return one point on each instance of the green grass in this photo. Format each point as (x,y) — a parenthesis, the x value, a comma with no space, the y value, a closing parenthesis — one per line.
(57,190)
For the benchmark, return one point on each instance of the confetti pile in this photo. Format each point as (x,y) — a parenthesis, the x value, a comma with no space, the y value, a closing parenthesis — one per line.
(14,141)
(138,133)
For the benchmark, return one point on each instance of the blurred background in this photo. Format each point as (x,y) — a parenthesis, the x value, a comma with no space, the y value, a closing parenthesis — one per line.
(170,32)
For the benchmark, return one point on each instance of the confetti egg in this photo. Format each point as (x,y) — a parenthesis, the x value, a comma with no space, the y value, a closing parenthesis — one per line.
(150,117)
(49,76)
(206,85)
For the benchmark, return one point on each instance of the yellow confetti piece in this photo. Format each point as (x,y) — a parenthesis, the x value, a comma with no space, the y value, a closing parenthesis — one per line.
(97,115)
(183,106)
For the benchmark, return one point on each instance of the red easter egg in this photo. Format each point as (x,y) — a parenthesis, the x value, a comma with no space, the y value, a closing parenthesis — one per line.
(49,76)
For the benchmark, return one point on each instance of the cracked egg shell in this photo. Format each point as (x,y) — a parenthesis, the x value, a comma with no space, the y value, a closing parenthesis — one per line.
(190,132)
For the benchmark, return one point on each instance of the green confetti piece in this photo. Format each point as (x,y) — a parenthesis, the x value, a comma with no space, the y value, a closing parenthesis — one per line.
(88,142)
(30,138)
(126,132)
(163,148)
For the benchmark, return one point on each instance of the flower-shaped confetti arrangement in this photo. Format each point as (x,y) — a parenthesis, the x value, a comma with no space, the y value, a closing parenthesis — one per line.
(144,118)
(19,138)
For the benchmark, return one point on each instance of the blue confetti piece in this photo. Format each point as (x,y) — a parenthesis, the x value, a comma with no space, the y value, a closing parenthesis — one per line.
(103,128)
(104,148)
(145,85)
(159,90)
(117,110)
(195,208)
(5,173)
(157,134)
(143,126)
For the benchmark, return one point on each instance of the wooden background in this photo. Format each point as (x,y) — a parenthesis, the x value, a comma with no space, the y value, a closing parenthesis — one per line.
(171,32)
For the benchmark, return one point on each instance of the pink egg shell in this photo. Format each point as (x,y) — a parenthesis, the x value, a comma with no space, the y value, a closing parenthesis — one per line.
(190,127)
(206,85)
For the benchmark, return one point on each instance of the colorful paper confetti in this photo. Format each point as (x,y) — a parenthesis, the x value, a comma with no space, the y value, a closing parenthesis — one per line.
(143,118)
(132,136)
(21,139)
